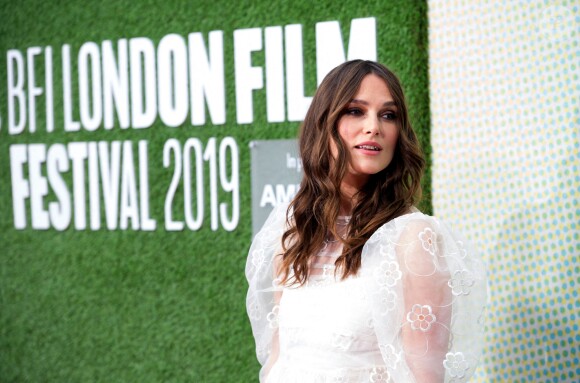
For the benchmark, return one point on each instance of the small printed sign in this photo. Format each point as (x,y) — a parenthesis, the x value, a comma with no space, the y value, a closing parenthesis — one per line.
(276,176)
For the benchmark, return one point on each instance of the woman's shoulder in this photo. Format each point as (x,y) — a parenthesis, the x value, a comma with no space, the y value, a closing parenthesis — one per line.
(275,222)
(413,221)
(265,247)
(418,232)
(414,215)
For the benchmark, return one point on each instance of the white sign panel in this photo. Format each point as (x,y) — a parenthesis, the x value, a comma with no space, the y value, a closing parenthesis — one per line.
(276,175)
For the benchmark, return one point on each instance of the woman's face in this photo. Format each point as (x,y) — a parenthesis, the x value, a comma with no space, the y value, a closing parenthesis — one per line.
(369,130)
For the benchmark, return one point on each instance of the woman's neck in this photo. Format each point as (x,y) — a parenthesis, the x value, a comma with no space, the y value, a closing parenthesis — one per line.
(348,190)
(347,202)
(345,207)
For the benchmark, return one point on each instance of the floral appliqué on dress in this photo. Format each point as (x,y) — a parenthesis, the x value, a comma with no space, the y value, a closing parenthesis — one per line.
(388,273)
(380,375)
(428,239)
(273,317)
(461,282)
(421,317)
(456,364)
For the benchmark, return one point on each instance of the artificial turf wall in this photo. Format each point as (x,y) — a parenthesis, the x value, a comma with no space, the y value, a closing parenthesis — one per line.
(104,275)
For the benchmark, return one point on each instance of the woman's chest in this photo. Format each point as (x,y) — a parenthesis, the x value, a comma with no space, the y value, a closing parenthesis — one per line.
(335,314)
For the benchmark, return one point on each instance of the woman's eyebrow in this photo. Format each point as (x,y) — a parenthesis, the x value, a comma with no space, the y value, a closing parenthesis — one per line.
(363,102)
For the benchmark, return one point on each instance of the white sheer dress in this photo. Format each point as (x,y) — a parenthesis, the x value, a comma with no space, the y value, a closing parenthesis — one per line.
(413,313)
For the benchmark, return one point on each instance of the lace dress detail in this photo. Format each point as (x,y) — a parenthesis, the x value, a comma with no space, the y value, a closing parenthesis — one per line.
(411,314)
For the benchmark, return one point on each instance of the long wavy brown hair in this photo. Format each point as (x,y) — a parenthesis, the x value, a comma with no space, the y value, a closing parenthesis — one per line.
(312,214)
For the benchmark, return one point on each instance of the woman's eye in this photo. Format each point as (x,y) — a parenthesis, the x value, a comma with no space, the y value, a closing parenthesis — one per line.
(353,111)
(389,116)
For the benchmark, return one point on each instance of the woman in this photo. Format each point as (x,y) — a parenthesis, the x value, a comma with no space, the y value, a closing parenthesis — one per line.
(350,282)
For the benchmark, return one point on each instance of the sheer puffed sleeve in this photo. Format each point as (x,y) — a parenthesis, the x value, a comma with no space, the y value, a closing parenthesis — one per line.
(428,292)
(262,301)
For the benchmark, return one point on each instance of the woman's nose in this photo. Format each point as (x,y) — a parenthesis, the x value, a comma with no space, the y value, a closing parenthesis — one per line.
(372,126)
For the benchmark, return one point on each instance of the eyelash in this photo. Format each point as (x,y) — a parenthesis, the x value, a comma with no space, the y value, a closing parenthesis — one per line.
(353,111)
(391,116)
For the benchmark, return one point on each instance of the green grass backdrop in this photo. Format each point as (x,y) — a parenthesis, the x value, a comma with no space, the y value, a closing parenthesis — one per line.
(133,306)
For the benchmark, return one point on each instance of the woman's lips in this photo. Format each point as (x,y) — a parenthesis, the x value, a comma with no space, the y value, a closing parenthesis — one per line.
(369,146)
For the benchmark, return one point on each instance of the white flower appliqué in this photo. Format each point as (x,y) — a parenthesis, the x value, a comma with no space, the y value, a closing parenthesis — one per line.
(461,282)
(388,273)
(388,299)
(421,317)
(342,341)
(456,364)
(390,356)
(428,239)
(377,235)
(379,375)
(384,232)
(387,251)
(258,258)
(254,311)
(273,317)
